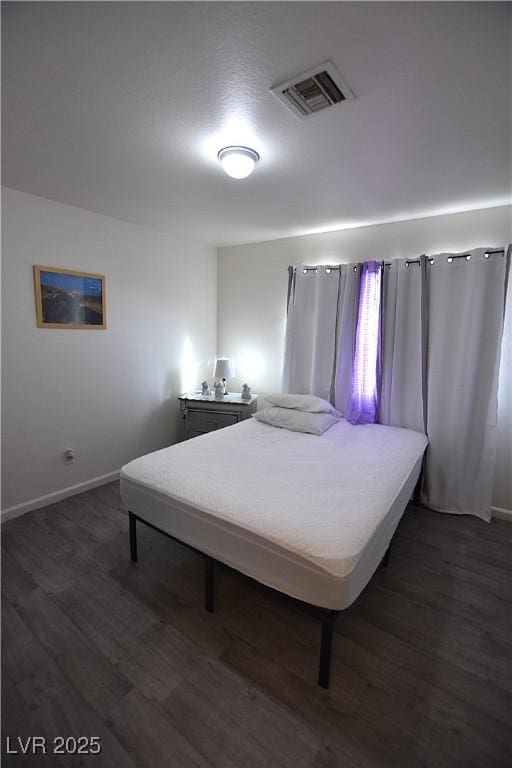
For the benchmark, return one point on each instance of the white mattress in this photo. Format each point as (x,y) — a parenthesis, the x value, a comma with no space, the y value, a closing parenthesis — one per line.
(311,516)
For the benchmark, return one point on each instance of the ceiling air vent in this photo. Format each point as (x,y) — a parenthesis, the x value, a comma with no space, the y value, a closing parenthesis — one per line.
(312,91)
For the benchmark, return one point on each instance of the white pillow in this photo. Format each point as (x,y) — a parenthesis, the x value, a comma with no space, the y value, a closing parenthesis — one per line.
(296,421)
(309,403)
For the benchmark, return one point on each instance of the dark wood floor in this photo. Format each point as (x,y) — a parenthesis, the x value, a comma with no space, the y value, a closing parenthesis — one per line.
(96,646)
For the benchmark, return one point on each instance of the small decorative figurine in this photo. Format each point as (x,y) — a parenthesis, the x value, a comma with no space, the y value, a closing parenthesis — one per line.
(205,389)
(219,389)
(246,392)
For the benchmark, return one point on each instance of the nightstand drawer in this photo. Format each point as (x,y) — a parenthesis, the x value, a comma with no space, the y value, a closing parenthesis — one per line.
(205,413)
(205,421)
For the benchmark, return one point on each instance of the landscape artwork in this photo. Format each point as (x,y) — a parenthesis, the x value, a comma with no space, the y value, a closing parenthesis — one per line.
(69,299)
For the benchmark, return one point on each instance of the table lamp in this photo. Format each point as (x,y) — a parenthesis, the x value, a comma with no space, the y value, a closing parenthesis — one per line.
(224,370)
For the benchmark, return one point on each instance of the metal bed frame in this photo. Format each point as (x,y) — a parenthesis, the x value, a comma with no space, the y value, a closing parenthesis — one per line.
(326,615)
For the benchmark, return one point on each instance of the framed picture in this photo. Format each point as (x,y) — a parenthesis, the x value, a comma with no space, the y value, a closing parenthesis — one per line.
(69,299)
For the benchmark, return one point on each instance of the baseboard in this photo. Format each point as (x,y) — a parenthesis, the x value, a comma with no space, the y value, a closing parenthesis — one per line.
(51,498)
(502,514)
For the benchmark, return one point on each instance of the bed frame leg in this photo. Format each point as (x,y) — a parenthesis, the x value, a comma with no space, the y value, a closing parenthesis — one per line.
(387,555)
(133,536)
(328,619)
(208,583)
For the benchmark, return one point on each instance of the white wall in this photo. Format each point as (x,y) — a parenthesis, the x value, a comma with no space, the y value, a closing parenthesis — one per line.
(110,395)
(252,282)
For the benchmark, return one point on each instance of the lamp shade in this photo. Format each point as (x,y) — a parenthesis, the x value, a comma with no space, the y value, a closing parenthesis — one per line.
(238,162)
(224,368)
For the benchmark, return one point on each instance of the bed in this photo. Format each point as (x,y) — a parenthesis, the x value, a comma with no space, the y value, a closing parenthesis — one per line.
(310,516)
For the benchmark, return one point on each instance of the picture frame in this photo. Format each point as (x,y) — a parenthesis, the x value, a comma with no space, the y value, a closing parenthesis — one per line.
(69,299)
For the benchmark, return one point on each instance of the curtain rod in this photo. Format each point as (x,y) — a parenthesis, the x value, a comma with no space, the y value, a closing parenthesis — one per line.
(336,267)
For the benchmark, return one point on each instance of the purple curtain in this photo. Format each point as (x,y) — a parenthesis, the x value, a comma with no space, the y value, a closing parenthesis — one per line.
(362,407)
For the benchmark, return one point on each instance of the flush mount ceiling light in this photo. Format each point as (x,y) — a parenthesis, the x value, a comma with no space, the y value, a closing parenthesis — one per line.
(238,162)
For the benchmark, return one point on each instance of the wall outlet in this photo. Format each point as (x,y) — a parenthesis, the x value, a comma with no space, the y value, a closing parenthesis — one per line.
(69,456)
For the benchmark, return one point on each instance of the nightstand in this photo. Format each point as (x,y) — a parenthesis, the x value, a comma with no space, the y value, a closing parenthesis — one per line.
(205,413)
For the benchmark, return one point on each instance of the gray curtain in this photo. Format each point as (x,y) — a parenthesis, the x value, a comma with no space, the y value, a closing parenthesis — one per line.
(401,400)
(320,331)
(466,300)
(346,334)
(310,346)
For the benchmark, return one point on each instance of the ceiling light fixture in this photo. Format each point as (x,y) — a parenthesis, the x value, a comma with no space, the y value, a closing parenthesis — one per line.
(238,162)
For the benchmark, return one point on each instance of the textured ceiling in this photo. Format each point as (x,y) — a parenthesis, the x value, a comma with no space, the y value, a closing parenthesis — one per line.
(120,108)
